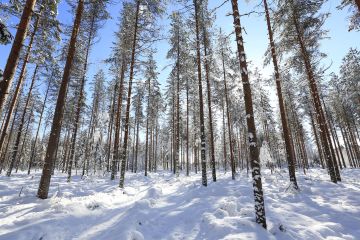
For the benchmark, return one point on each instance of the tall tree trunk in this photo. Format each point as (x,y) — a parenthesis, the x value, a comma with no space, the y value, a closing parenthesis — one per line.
(111,123)
(187,128)
(284,121)
(14,55)
(316,102)
(127,117)
(147,129)
(59,109)
(80,98)
(201,101)
(177,127)
(136,145)
(207,77)
(254,154)
(232,160)
(117,121)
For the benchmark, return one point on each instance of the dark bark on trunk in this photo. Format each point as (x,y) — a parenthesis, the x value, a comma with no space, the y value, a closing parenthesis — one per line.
(18,161)
(116,150)
(187,128)
(201,103)
(21,125)
(136,145)
(111,123)
(254,154)
(316,101)
(147,129)
(284,121)
(127,117)
(80,99)
(207,77)
(59,109)
(14,55)
(18,86)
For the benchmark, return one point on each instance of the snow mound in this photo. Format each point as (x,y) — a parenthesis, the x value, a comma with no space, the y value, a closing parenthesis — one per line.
(165,207)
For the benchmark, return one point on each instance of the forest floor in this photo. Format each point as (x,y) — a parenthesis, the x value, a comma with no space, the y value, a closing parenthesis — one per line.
(162,206)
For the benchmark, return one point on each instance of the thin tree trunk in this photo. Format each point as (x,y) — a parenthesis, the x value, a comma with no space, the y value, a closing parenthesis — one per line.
(117,121)
(18,161)
(187,128)
(111,123)
(21,125)
(32,155)
(147,129)
(127,117)
(232,161)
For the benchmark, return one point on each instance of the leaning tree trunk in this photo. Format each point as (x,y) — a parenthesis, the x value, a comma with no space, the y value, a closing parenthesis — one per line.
(80,99)
(14,55)
(59,109)
(22,121)
(254,154)
(201,101)
(316,102)
(127,117)
(284,121)
(18,86)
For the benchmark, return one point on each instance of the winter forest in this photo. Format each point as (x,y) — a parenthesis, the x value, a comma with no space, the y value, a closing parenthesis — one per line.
(179,119)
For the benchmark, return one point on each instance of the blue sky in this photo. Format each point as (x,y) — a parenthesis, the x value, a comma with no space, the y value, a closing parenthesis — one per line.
(340,40)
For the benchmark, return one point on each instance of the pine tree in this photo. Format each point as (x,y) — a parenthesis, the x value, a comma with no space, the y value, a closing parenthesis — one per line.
(254,161)
(59,109)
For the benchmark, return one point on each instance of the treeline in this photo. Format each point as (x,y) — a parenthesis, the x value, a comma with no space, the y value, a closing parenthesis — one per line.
(214,111)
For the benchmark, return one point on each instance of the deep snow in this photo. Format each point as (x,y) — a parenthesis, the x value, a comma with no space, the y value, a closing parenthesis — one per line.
(162,206)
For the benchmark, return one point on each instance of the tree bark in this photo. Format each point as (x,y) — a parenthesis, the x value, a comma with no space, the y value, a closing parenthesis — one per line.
(22,121)
(201,101)
(14,55)
(127,117)
(80,98)
(316,101)
(207,77)
(117,121)
(284,121)
(252,140)
(59,109)
(18,86)
(232,161)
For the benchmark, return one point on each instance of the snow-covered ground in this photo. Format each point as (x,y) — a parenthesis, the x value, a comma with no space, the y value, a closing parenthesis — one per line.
(165,207)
